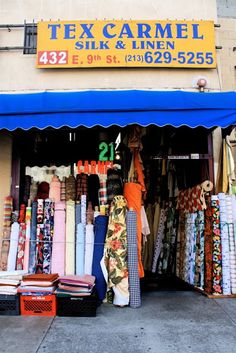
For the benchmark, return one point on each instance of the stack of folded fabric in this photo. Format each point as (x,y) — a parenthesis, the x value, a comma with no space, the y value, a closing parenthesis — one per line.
(38,284)
(9,281)
(80,286)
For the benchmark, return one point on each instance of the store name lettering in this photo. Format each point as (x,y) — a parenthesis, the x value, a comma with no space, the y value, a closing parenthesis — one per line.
(93,167)
(84,34)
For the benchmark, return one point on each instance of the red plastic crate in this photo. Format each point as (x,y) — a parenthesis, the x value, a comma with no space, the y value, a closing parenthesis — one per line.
(38,305)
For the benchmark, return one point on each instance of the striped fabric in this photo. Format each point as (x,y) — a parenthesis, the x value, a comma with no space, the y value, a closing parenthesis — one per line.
(103,191)
(134,282)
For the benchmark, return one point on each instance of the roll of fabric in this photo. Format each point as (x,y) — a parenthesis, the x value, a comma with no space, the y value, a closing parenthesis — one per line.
(134,282)
(21,247)
(226,285)
(80,249)
(208,247)
(81,185)
(199,266)
(33,236)
(194,254)
(40,211)
(100,229)
(59,238)
(26,192)
(133,195)
(159,238)
(70,188)
(14,216)
(48,233)
(8,207)
(63,189)
(27,238)
(43,191)
(103,190)
(55,189)
(114,262)
(77,213)
(231,220)
(93,189)
(33,190)
(217,254)
(39,248)
(83,209)
(182,244)
(21,218)
(11,263)
(89,213)
(89,245)
(70,238)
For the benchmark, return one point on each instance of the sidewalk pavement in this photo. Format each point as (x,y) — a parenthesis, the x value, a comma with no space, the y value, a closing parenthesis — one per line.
(167,322)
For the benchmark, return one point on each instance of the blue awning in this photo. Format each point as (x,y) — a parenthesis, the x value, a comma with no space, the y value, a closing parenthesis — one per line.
(106,108)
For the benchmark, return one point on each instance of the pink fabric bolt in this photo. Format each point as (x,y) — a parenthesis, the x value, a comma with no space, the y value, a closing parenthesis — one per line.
(59,237)
(55,189)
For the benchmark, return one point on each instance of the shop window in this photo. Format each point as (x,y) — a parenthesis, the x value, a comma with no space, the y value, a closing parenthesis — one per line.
(30,39)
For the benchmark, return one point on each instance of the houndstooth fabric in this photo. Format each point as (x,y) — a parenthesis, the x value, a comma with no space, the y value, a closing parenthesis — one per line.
(134,282)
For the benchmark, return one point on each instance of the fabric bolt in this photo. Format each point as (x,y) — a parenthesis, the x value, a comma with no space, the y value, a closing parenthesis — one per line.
(226,285)
(33,190)
(133,195)
(100,230)
(93,189)
(156,220)
(199,261)
(59,238)
(167,265)
(114,262)
(26,192)
(103,190)
(149,245)
(191,200)
(33,236)
(39,249)
(55,189)
(5,245)
(48,234)
(11,263)
(89,245)
(159,238)
(193,248)
(80,249)
(21,247)
(231,208)
(70,188)
(21,218)
(181,245)
(40,211)
(77,213)
(63,189)
(27,238)
(208,247)
(81,185)
(83,209)
(217,254)
(8,208)
(134,282)
(70,238)
(14,216)
(189,228)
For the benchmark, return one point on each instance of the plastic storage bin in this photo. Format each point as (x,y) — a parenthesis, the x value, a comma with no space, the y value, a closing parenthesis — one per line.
(77,306)
(9,304)
(38,305)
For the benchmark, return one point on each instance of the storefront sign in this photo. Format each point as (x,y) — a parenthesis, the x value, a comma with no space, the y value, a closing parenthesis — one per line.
(71,44)
(93,167)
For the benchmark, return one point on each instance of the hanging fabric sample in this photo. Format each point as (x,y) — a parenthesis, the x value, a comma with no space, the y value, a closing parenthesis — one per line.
(70,238)
(159,238)
(63,189)
(133,195)
(114,263)
(27,238)
(149,245)
(89,245)
(70,188)
(48,233)
(100,230)
(80,249)
(134,282)
(8,202)
(55,189)
(11,263)
(217,255)
(59,238)
(81,185)
(224,233)
(33,235)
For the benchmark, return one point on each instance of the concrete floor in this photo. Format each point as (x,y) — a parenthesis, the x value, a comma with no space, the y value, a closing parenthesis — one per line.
(167,322)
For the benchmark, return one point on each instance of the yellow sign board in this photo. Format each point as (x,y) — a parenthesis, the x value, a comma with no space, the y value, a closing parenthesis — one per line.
(83,44)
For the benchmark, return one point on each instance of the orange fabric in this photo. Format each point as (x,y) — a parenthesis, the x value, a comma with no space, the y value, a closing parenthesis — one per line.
(133,195)
(139,170)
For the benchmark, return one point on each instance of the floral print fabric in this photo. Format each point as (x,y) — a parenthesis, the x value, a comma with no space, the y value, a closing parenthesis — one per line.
(217,256)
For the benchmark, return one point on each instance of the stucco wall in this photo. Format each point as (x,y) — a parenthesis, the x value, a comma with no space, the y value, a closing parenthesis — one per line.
(19,70)
(226,8)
